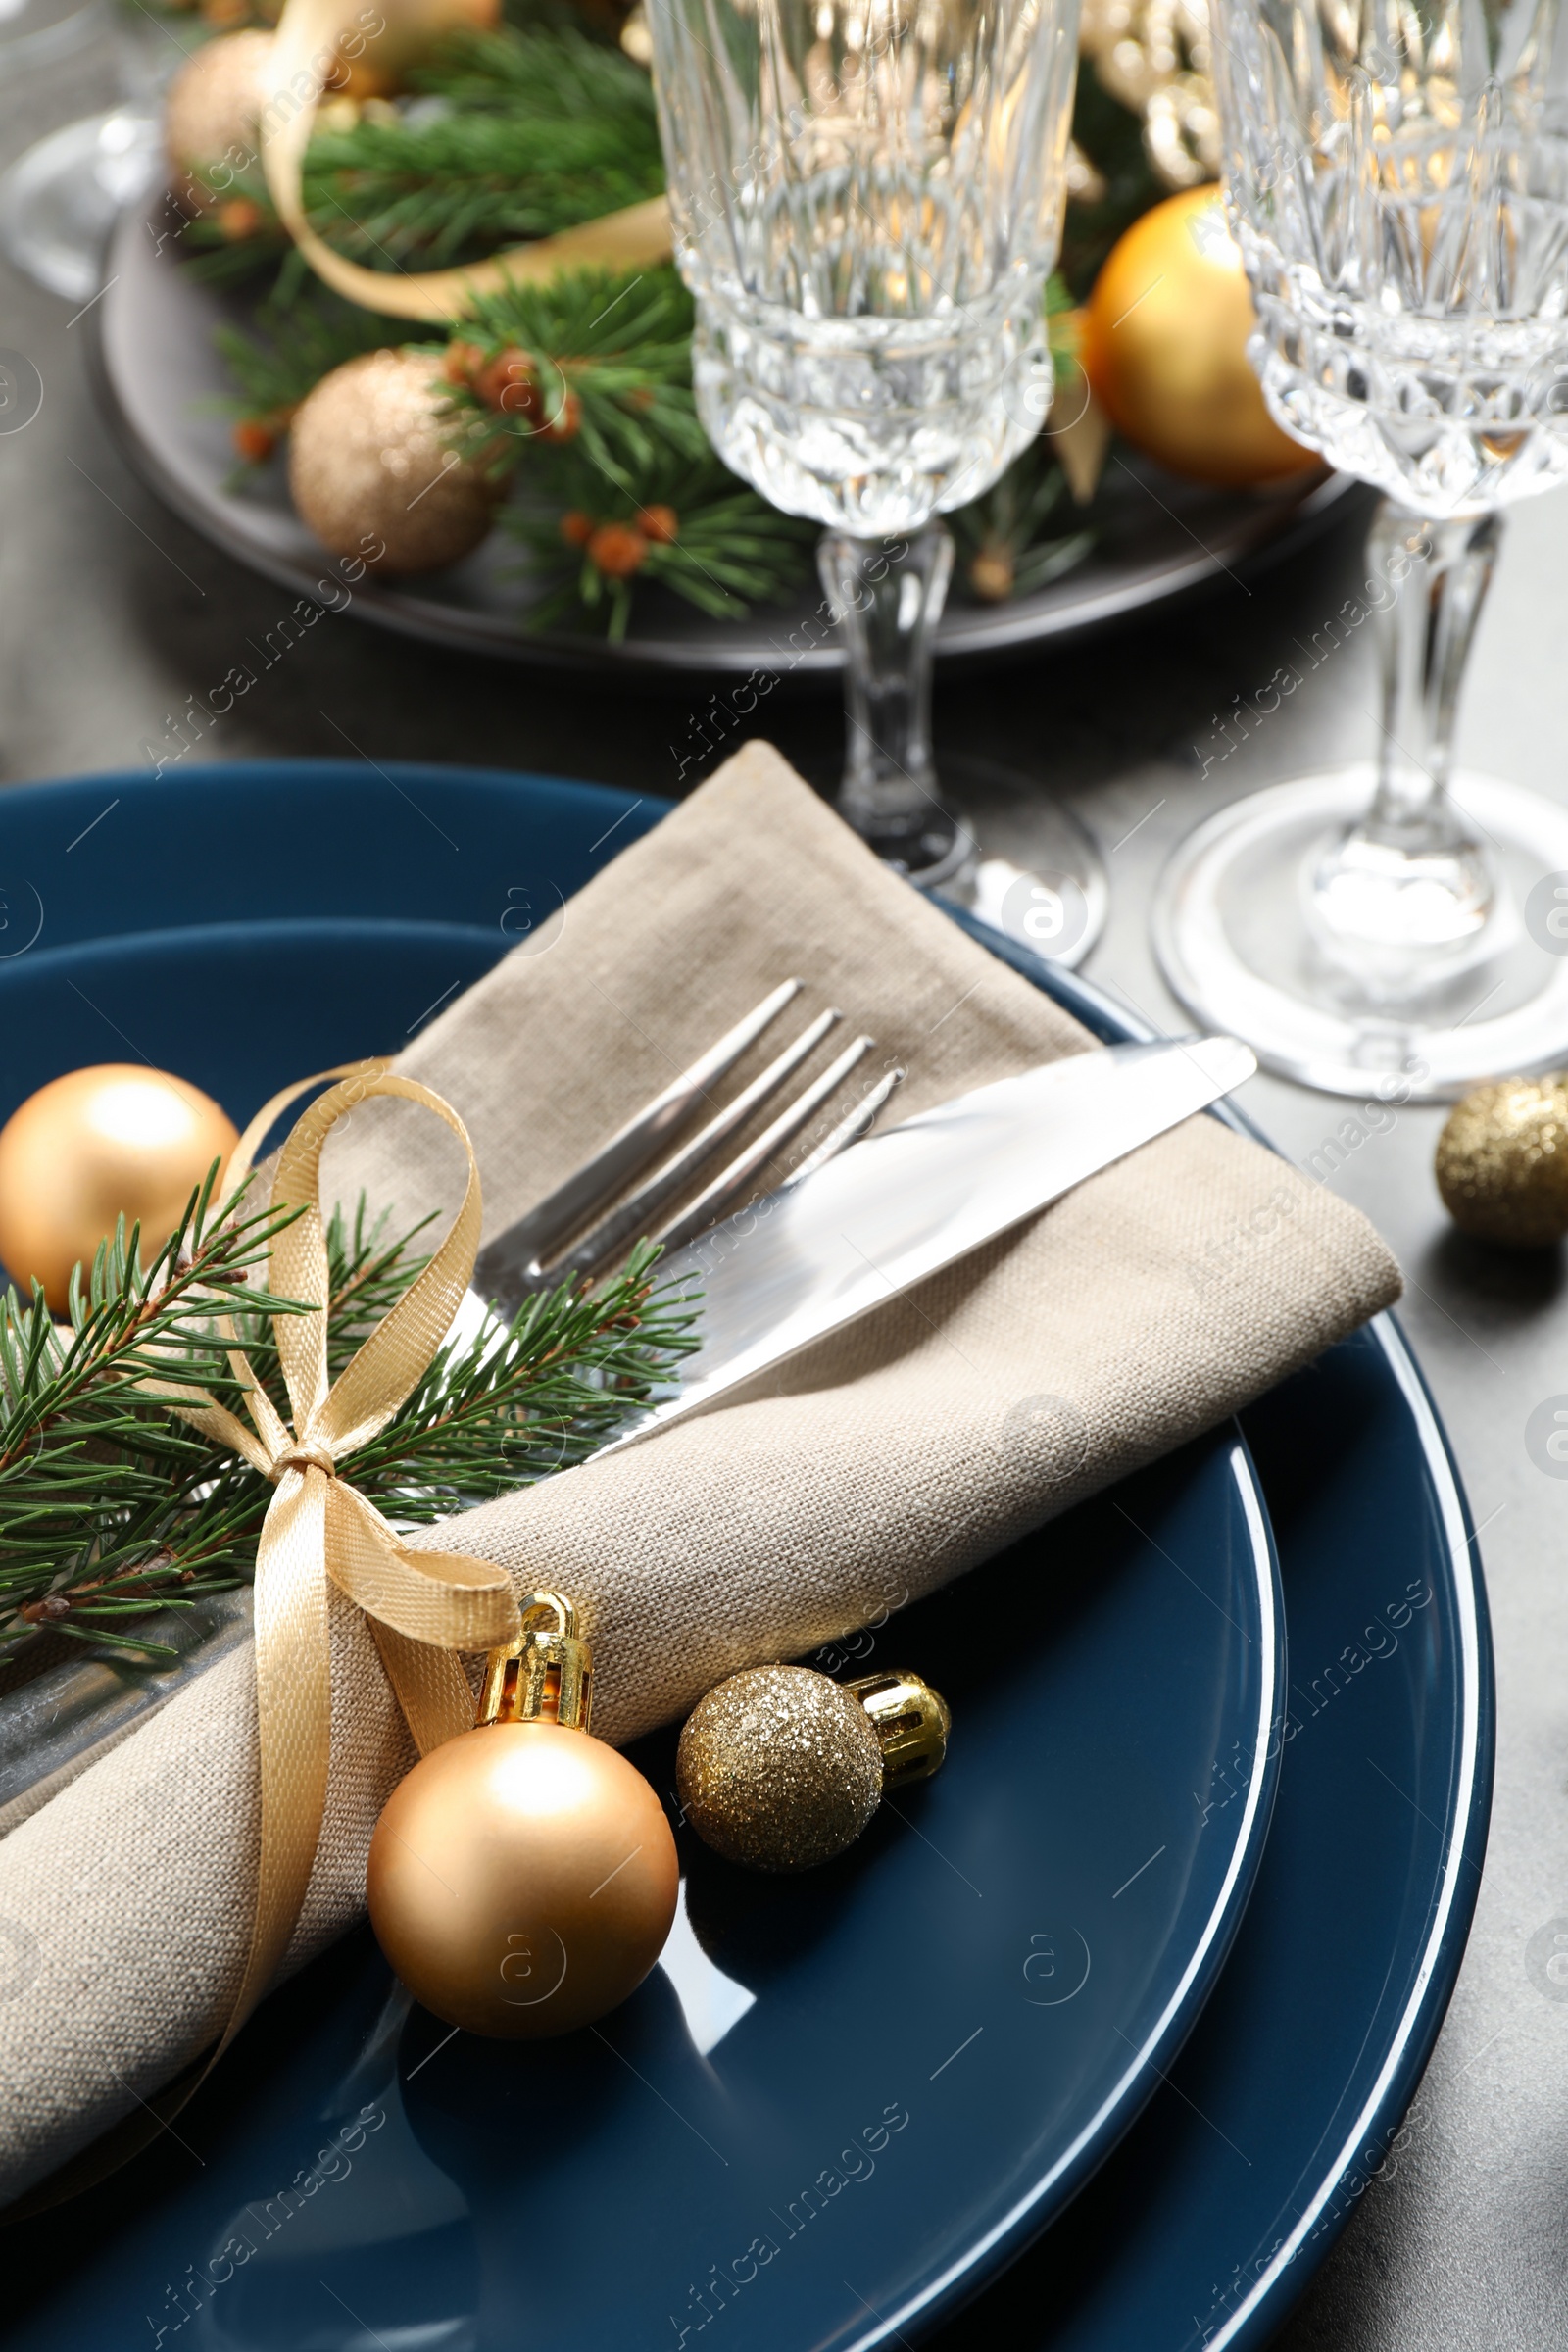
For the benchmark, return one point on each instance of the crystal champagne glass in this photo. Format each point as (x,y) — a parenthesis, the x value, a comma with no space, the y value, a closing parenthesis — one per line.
(1398,180)
(868,199)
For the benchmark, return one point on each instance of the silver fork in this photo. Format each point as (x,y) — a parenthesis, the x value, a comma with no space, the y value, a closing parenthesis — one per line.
(533,1255)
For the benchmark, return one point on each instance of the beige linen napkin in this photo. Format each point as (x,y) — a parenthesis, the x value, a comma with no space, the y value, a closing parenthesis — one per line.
(1146,1307)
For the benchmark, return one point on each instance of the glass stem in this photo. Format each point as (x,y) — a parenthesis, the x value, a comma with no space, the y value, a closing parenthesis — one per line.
(888,595)
(1439,572)
(1405,899)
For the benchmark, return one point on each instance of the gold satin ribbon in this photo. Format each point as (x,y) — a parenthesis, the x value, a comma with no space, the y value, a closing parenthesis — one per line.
(423,1606)
(311,35)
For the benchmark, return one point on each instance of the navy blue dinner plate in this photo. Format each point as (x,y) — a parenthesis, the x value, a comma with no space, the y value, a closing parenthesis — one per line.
(965,1977)
(1005,1968)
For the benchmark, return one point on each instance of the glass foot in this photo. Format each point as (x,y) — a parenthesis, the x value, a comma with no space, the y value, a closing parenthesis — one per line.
(1051,895)
(1474,980)
(58,202)
(1398,915)
(929,851)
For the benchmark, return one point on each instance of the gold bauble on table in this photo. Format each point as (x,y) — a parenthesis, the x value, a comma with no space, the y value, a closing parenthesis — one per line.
(116,1140)
(1164,347)
(522,1879)
(1502,1163)
(781,1769)
(378,457)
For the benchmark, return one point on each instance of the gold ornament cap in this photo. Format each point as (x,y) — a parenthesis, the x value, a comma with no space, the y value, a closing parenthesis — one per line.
(546,1674)
(911,1723)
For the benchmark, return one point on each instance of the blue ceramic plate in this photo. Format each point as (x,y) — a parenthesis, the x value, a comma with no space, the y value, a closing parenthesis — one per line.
(1210,2218)
(948,2031)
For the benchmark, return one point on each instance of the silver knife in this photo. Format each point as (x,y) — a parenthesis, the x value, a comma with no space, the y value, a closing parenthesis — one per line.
(830,1247)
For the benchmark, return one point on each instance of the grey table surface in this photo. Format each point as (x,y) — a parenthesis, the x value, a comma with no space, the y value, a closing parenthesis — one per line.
(112,614)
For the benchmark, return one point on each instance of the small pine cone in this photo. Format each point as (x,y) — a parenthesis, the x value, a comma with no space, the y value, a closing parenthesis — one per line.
(254,440)
(238,218)
(618,550)
(509,383)
(662,524)
(576,527)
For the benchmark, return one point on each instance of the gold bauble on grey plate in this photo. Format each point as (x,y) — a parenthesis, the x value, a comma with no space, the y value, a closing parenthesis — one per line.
(1502,1163)
(118,1139)
(383,468)
(212,114)
(779,1769)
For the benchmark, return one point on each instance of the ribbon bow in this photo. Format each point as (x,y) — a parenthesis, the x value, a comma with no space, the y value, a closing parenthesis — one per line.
(423,1606)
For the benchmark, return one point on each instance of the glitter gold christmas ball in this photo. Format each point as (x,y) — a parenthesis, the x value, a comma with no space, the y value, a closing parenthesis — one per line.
(779,1768)
(1164,347)
(1502,1163)
(523,1880)
(212,113)
(383,470)
(117,1140)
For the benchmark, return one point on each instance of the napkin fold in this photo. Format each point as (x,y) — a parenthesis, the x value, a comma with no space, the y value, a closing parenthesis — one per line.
(1141,1309)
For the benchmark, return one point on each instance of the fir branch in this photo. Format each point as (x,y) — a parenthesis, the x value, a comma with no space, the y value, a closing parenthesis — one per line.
(422,194)
(720,547)
(515,136)
(536,70)
(489,1417)
(93,1477)
(287,349)
(610,360)
(110,1507)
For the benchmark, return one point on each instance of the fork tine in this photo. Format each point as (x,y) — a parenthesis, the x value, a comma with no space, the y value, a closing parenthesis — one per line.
(848,1131)
(624,1224)
(525,1246)
(710,1204)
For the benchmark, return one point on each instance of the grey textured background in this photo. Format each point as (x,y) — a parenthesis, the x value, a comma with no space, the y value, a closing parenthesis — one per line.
(111,613)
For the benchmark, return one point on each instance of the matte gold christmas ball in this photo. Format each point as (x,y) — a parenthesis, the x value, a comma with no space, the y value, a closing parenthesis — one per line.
(779,1768)
(523,1880)
(1502,1163)
(1164,347)
(117,1140)
(383,469)
(212,113)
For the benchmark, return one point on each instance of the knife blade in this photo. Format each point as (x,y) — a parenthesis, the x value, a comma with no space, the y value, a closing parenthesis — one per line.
(818,1253)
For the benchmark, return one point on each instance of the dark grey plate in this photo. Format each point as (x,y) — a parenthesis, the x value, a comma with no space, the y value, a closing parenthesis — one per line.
(160,378)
